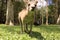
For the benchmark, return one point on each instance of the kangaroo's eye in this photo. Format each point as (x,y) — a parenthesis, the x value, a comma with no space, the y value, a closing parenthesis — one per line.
(28,4)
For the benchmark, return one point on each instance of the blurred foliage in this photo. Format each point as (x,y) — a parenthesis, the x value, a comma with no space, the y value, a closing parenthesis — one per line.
(19,5)
(2,11)
(51,14)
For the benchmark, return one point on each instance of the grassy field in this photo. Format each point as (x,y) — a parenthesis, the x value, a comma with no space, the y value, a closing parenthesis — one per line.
(42,32)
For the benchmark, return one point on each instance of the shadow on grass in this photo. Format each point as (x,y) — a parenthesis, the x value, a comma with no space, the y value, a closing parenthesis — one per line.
(36,35)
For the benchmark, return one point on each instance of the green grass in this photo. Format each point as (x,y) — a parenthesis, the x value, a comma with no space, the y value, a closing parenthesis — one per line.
(42,32)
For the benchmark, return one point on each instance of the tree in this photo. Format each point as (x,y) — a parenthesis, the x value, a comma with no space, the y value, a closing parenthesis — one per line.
(42,12)
(47,13)
(57,5)
(10,13)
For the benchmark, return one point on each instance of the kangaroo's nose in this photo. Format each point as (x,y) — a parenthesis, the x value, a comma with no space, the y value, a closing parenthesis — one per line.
(33,8)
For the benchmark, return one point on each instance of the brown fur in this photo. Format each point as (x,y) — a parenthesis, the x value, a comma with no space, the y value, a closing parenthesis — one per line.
(25,11)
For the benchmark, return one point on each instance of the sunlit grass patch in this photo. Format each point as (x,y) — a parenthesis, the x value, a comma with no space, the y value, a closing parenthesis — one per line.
(42,32)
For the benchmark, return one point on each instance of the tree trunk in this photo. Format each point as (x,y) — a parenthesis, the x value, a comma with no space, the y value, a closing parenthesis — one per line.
(42,14)
(9,14)
(58,20)
(47,13)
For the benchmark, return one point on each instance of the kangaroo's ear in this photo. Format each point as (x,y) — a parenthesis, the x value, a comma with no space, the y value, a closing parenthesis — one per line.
(26,1)
(36,2)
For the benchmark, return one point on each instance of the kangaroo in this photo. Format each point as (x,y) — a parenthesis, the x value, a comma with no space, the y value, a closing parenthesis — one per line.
(29,6)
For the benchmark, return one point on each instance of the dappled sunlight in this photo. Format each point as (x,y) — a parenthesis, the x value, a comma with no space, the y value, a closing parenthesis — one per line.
(29,19)
(42,32)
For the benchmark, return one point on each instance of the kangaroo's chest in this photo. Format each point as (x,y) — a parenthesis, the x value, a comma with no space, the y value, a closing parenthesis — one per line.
(23,14)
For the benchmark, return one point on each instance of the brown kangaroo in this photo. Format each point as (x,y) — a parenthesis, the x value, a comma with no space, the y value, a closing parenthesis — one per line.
(24,13)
